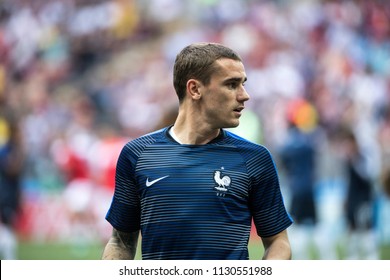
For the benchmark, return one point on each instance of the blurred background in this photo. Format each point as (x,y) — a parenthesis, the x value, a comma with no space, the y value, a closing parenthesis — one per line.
(79,78)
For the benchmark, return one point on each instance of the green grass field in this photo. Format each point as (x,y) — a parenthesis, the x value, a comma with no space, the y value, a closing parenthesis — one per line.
(90,251)
(93,251)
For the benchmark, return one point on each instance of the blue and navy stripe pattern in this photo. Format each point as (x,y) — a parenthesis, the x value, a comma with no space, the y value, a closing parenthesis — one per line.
(196,201)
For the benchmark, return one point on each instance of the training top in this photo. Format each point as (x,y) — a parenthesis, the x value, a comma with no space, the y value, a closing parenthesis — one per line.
(196,201)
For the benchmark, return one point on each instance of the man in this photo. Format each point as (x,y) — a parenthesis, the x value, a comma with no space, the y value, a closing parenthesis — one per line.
(297,157)
(192,189)
(359,199)
(11,168)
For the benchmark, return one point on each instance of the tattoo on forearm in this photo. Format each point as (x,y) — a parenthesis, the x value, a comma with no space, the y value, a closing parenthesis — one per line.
(125,239)
(122,245)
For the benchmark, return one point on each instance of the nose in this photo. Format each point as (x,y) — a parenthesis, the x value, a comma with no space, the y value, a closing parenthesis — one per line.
(243,95)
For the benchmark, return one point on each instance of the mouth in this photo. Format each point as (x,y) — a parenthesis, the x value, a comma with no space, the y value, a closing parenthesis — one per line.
(238,110)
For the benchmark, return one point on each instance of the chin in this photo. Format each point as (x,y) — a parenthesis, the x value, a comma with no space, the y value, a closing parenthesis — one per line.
(232,125)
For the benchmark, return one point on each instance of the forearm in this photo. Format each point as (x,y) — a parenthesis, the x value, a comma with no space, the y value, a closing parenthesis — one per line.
(279,250)
(277,247)
(121,246)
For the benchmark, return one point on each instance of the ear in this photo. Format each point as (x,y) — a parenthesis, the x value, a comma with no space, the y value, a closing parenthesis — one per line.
(193,89)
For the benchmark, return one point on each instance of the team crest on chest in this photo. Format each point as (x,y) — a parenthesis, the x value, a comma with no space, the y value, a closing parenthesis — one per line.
(222,183)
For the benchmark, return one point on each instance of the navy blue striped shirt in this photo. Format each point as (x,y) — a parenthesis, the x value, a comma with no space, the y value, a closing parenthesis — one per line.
(196,201)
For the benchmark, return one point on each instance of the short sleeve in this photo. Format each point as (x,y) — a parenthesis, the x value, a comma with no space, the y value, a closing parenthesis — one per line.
(124,212)
(266,201)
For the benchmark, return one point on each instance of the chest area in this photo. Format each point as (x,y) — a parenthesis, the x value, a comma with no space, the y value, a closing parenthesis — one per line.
(197,173)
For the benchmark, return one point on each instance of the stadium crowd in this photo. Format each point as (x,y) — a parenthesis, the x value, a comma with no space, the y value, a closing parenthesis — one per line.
(79,78)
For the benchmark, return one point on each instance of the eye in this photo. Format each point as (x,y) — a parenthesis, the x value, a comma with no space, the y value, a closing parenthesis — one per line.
(233,85)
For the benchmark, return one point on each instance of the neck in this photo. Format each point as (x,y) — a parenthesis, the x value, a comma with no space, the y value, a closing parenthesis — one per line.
(189,129)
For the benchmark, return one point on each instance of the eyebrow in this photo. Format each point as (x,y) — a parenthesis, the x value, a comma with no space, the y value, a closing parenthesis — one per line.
(235,80)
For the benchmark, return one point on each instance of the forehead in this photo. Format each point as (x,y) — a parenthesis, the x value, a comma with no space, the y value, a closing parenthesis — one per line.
(229,68)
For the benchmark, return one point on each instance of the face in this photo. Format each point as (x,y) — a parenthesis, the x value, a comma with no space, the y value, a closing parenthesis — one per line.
(222,100)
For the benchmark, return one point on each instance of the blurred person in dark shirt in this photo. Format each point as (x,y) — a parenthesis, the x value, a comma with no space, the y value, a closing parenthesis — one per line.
(298,161)
(11,165)
(359,200)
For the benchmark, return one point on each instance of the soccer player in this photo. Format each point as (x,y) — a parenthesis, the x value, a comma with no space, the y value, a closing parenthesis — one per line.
(192,189)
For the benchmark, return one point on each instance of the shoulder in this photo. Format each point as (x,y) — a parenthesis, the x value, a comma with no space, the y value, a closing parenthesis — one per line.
(137,145)
(148,139)
(245,145)
(258,158)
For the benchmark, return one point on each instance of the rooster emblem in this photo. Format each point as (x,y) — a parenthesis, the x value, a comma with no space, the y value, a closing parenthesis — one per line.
(221,182)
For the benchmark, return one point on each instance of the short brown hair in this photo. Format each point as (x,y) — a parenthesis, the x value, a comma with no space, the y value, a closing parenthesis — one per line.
(196,61)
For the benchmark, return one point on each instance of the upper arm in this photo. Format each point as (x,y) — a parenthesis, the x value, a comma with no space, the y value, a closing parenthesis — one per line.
(124,211)
(266,200)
